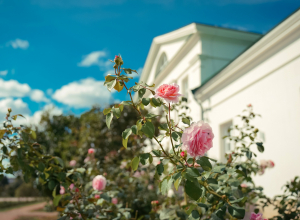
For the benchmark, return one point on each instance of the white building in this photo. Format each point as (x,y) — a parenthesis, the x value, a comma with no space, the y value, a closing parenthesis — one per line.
(227,69)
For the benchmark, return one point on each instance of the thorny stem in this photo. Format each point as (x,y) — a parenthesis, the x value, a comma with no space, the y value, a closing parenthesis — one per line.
(170,128)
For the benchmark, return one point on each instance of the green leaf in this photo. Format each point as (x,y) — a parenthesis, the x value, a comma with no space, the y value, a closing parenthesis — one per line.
(160,168)
(109,117)
(59,161)
(260,147)
(33,134)
(116,112)
(126,133)
(61,176)
(218,169)
(163,126)
(156,152)
(124,142)
(193,189)
(135,163)
(150,115)
(205,164)
(129,71)
(249,155)
(150,158)
(148,129)
(194,215)
(80,170)
(186,121)
(41,166)
(110,85)
(146,101)
(134,129)
(177,183)
(164,186)
(106,111)
(155,102)
(56,200)
(52,184)
(142,92)
(237,212)
(192,172)
(175,136)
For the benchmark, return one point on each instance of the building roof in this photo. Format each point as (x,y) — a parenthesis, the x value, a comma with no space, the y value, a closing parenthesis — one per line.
(188,31)
(269,40)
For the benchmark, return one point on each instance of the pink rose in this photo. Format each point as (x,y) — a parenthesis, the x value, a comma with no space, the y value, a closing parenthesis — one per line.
(97,196)
(197,139)
(99,182)
(168,92)
(123,164)
(114,201)
(244,185)
(87,159)
(270,164)
(249,105)
(255,216)
(137,174)
(72,163)
(91,151)
(71,186)
(158,162)
(150,187)
(62,190)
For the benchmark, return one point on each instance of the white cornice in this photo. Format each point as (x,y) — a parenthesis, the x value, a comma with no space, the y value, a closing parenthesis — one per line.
(278,38)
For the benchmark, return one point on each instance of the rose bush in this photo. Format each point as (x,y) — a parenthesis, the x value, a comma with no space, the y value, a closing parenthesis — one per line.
(97,182)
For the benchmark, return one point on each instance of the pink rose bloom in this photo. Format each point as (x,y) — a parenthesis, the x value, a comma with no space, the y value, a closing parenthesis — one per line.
(249,105)
(71,186)
(99,183)
(263,163)
(114,201)
(271,164)
(72,163)
(197,139)
(150,187)
(62,190)
(158,162)
(97,196)
(244,185)
(87,159)
(168,92)
(137,174)
(257,216)
(91,151)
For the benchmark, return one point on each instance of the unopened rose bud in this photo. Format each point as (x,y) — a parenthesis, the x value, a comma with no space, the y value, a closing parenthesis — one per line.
(9,110)
(118,60)
(183,154)
(115,66)
(249,105)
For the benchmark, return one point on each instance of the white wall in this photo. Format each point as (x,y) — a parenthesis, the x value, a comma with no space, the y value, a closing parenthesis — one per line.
(273,88)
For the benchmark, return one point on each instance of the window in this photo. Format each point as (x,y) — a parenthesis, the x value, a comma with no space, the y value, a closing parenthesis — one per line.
(162,62)
(185,87)
(227,145)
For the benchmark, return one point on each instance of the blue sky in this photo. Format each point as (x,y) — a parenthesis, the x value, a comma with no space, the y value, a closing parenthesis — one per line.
(55,52)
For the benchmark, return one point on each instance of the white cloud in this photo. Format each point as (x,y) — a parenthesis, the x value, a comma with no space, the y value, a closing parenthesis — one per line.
(18,43)
(93,59)
(17,106)
(83,93)
(3,73)
(49,91)
(38,96)
(50,108)
(13,88)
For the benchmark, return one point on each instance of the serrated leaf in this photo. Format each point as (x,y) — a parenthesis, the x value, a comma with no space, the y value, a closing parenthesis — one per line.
(155,102)
(163,126)
(126,133)
(141,92)
(260,147)
(186,121)
(135,163)
(175,136)
(116,112)
(109,117)
(145,101)
(192,189)
(124,142)
(110,85)
(118,87)
(148,129)
(106,111)
(204,163)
